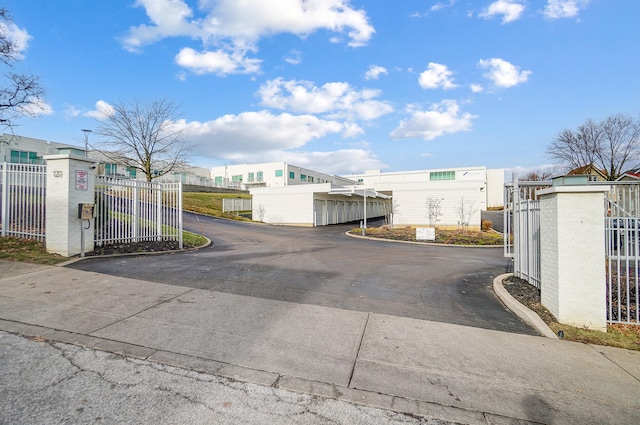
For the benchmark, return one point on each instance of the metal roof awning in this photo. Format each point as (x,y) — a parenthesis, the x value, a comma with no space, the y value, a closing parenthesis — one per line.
(350,191)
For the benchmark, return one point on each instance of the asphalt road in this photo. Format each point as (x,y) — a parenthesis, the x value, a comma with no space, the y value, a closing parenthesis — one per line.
(322,266)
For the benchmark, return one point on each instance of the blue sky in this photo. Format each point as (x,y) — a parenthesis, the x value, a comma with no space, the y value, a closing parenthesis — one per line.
(334,85)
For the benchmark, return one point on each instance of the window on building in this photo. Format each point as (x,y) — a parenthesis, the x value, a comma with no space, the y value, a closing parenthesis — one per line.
(110,169)
(23,157)
(310,178)
(260,176)
(292,175)
(236,178)
(132,172)
(360,180)
(278,173)
(442,175)
(218,180)
(303,177)
(250,177)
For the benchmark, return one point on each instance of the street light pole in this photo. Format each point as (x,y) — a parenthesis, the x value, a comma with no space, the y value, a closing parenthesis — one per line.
(86,141)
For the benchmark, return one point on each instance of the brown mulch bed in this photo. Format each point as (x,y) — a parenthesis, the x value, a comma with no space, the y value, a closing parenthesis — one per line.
(528,295)
(135,248)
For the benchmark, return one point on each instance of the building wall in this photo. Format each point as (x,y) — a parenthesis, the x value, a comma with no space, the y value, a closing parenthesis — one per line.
(290,175)
(495,188)
(9,142)
(312,205)
(410,203)
(285,205)
(491,181)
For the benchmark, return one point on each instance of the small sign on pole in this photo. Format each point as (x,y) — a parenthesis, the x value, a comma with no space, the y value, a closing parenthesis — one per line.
(425,233)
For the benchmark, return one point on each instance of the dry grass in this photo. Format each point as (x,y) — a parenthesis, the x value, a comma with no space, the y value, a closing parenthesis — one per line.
(443,236)
(27,251)
(617,335)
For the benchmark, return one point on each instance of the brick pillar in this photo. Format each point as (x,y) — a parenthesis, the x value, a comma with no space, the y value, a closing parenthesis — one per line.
(572,257)
(70,181)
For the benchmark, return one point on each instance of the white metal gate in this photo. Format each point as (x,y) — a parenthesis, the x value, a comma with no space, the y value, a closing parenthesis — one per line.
(22,200)
(522,228)
(133,211)
(622,236)
(622,228)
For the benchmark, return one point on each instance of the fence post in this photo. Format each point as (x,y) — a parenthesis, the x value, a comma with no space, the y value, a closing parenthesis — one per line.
(573,253)
(135,211)
(70,181)
(159,215)
(4,200)
(516,225)
(179,212)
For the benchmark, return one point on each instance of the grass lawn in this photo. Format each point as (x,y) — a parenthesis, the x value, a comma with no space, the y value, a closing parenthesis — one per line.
(211,203)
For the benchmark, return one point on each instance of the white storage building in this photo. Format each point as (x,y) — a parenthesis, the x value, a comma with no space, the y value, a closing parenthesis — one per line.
(317,204)
(462,193)
(270,174)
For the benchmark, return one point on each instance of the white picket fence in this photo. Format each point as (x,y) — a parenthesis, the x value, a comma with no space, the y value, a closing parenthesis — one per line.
(134,211)
(22,200)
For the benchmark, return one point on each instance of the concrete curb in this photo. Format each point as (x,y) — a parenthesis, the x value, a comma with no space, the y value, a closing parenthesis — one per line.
(351,235)
(130,254)
(520,310)
(403,405)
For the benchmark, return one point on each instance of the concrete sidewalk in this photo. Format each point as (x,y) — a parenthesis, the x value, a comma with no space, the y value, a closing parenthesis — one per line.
(457,373)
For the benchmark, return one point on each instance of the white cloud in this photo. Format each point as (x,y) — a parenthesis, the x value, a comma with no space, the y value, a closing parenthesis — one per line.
(503,73)
(511,10)
(169,18)
(71,111)
(218,62)
(18,36)
(343,161)
(36,107)
(234,27)
(336,99)
(294,57)
(443,118)
(442,5)
(253,19)
(436,76)
(252,137)
(374,72)
(351,130)
(258,132)
(103,111)
(556,9)
(476,88)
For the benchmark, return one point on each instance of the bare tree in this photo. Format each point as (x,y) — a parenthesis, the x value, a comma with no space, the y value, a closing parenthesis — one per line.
(434,210)
(260,212)
(144,136)
(537,176)
(465,210)
(20,94)
(609,145)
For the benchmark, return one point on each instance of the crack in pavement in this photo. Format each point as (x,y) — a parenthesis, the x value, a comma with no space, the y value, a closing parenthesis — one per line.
(113,388)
